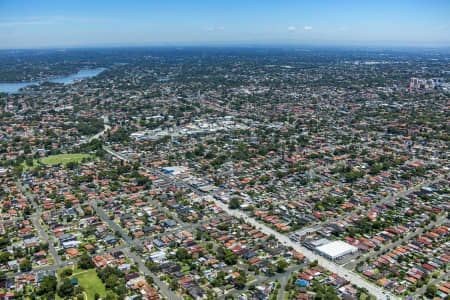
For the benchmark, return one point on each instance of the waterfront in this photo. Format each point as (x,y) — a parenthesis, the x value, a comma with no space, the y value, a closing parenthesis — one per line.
(15,87)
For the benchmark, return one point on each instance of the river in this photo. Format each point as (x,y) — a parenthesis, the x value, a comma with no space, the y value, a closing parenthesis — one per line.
(12,88)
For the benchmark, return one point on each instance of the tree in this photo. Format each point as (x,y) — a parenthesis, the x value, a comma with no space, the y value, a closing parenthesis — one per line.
(174,285)
(111,296)
(149,279)
(4,257)
(240,282)
(85,262)
(281,266)
(182,254)
(230,257)
(67,203)
(431,291)
(17,170)
(331,296)
(154,267)
(72,165)
(220,279)
(66,288)
(143,180)
(48,285)
(4,242)
(111,281)
(25,265)
(234,203)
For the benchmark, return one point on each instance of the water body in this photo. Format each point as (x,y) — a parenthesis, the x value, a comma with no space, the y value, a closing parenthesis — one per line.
(12,88)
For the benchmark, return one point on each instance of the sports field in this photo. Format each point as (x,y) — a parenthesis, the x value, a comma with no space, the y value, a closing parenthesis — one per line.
(57,159)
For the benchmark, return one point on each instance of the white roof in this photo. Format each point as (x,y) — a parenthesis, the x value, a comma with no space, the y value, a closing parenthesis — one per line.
(336,249)
(176,169)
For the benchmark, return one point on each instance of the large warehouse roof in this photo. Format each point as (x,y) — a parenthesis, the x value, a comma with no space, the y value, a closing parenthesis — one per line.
(336,249)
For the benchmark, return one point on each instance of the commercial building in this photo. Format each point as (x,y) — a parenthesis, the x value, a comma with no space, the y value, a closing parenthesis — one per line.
(335,250)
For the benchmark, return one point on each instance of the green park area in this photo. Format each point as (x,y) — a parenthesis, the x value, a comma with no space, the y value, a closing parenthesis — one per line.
(89,281)
(57,159)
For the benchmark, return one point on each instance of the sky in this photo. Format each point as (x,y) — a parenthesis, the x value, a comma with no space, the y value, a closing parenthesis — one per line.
(98,23)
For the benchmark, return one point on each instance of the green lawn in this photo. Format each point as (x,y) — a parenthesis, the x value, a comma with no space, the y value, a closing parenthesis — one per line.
(91,283)
(63,158)
(89,280)
(57,159)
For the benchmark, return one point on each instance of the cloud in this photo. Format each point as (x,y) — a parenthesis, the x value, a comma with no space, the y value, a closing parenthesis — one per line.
(292,28)
(215,28)
(307,28)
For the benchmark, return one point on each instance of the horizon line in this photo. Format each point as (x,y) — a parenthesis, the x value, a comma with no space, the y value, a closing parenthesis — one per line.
(256,44)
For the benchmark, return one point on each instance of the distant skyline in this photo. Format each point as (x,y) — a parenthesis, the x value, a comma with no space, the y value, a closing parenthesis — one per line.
(99,23)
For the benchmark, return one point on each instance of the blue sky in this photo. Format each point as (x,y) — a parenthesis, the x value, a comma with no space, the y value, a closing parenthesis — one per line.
(65,23)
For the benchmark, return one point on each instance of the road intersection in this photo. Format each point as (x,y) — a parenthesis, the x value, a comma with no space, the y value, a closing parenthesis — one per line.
(130,243)
(333,267)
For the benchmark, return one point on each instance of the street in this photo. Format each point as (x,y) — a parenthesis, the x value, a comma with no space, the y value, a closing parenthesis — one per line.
(333,267)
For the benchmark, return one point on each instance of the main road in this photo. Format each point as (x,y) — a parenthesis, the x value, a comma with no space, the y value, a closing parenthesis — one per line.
(333,267)
(339,270)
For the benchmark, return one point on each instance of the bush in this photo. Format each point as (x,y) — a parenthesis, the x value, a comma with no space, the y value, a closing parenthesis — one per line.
(66,288)
(234,203)
(431,291)
(85,262)
(25,266)
(66,272)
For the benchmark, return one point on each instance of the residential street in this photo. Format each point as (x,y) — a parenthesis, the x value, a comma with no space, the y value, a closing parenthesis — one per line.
(422,290)
(352,264)
(35,219)
(129,243)
(233,172)
(279,276)
(333,267)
